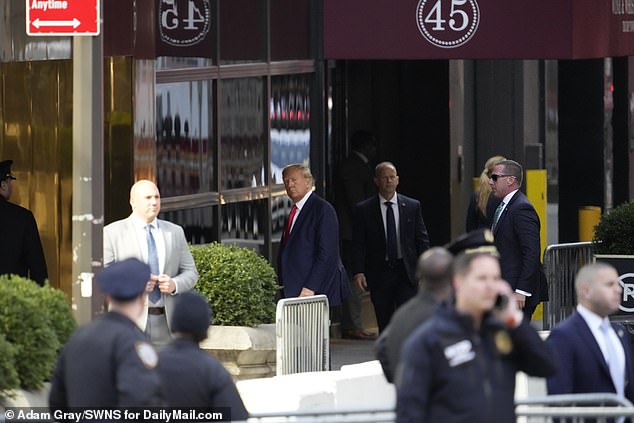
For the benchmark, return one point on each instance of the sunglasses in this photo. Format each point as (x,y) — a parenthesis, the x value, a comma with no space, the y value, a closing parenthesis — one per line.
(495,176)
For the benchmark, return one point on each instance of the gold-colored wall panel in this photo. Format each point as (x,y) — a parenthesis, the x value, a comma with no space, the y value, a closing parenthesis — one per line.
(36,118)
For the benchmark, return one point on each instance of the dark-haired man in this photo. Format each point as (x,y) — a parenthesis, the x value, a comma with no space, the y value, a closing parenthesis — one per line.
(516,230)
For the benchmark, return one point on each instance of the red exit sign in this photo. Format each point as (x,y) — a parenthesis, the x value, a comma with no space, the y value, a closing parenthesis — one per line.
(62,17)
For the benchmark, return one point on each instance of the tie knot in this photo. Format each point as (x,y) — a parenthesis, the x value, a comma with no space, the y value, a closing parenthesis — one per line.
(388,203)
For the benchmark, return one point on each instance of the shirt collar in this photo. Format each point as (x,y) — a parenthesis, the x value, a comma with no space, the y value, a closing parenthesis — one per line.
(394,198)
(140,223)
(592,319)
(301,202)
(507,197)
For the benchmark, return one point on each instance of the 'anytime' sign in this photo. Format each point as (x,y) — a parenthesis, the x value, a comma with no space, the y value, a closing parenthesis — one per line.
(62,17)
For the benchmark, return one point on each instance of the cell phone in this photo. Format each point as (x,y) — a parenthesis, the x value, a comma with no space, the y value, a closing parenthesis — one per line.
(501,301)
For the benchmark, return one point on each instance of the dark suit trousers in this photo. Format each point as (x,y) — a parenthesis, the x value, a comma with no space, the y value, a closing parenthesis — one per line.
(389,291)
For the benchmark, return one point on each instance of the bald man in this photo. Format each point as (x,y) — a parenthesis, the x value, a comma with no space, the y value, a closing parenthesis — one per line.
(160,244)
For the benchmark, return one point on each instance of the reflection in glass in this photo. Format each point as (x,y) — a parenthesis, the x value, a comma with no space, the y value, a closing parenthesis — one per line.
(289,113)
(243,224)
(197,223)
(243,138)
(184,133)
(280,209)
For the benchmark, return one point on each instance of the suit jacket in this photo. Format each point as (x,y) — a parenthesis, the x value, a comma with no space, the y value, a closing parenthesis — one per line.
(517,239)
(310,256)
(21,251)
(120,242)
(581,365)
(368,239)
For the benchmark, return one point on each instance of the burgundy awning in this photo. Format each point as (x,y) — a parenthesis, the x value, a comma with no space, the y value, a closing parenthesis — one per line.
(478,29)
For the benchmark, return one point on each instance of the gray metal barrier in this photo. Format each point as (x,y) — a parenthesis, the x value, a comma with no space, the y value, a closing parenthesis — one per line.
(302,328)
(561,264)
(368,415)
(597,407)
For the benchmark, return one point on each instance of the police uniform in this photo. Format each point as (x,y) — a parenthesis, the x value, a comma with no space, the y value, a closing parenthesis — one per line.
(452,373)
(190,376)
(22,253)
(109,362)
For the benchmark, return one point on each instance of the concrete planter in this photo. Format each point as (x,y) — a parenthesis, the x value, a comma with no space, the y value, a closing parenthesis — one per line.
(27,399)
(247,353)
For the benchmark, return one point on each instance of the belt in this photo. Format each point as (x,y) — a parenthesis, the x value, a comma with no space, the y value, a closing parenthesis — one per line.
(156,311)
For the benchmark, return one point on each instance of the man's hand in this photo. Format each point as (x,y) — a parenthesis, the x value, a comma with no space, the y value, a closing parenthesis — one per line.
(149,287)
(360,282)
(306,292)
(520,299)
(166,284)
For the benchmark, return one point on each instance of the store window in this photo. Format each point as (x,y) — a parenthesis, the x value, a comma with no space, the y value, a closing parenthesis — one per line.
(197,223)
(185,145)
(243,133)
(244,224)
(289,113)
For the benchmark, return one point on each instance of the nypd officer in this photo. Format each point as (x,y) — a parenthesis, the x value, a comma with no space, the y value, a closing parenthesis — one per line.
(198,380)
(109,363)
(461,364)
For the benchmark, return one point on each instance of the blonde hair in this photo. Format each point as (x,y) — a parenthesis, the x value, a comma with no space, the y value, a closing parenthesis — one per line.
(484,189)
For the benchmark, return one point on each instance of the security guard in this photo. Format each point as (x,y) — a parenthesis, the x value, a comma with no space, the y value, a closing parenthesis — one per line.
(109,363)
(461,364)
(21,251)
(191,377)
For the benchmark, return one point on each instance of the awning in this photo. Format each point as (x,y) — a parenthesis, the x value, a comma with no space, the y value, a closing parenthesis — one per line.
(478,29)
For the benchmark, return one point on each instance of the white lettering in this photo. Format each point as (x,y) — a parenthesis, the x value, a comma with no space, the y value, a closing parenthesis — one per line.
(49,4)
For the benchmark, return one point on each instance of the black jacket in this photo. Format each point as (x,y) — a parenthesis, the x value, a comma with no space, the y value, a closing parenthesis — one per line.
(21,250)
(452,373)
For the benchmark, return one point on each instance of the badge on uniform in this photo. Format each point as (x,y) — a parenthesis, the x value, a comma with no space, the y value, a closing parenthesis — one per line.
(459,353)
(503,342)
(147,354)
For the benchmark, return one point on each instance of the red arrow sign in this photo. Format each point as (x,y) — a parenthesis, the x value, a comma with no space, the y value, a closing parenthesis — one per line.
(62,17)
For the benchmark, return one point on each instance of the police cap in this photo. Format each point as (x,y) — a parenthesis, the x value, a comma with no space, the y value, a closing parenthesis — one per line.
(192,315)
(5,170)
(476,241)
(124,279)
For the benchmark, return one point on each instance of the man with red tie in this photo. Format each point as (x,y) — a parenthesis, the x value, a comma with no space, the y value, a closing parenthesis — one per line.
(308,260)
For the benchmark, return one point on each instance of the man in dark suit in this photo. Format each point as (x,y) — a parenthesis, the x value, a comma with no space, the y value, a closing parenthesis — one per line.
(355,183)
(308,260)
(22,253)
(388,237)
(516,231)
(592,354)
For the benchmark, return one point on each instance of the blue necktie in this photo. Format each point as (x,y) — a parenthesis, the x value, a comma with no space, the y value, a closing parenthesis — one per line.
(618,376)
(497,214)
(390,223)
(153,262)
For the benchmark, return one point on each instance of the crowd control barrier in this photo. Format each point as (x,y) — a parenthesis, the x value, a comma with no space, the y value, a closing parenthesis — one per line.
(302,328)
(561,264)
(599,408)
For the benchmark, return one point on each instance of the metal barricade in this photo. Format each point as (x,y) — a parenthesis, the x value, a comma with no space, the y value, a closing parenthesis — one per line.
(302,328)
(561,264)
(368,415)
(599,407)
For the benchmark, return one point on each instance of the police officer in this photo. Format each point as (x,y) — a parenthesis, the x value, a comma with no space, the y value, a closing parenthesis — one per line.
(109,363)
(191,377)
(21,251)
(461,364)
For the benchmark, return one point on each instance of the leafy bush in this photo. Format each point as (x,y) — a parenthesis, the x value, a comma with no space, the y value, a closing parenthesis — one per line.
(36,321)
(8,375)
(615,232)
(239,284)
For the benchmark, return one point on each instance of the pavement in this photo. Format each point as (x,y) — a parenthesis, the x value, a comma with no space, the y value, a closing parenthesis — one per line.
(350,351)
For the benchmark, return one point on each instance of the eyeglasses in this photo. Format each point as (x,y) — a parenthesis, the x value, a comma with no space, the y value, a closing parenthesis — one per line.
(495,176)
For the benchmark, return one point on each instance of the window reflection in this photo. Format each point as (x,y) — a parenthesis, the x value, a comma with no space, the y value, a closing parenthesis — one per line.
(197,223)
(184,151)
(243,224)
(243,139)
(289,113)
(280,209)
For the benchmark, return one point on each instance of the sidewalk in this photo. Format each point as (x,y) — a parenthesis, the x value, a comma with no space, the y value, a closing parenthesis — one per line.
(350,351)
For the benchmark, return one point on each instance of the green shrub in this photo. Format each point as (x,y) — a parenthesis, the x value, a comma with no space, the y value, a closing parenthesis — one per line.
(239,284)
(8,375)
(25,324)
(615,232)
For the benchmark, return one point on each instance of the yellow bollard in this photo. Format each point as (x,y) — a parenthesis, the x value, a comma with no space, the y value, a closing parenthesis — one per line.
(589,217)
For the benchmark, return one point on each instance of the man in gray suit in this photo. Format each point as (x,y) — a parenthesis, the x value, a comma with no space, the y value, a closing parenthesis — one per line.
(160,244)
